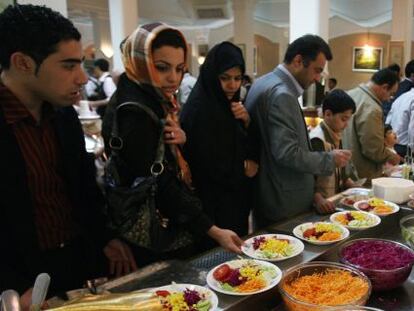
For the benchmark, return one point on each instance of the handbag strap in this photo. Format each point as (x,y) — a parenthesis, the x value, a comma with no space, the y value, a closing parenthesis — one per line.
(116,143)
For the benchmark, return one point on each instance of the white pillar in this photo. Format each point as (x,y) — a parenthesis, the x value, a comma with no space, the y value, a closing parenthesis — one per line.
(102,37)
(201,39)
(309,17)
(195,66)
(123,15)
(401,27)
(96,26)
(244,29)
(283,44)
(56,5)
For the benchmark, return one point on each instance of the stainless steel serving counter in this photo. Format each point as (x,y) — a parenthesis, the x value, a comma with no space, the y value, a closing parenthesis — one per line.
(194,271)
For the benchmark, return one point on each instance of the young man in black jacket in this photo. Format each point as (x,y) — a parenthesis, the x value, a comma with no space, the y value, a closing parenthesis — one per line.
(50,207)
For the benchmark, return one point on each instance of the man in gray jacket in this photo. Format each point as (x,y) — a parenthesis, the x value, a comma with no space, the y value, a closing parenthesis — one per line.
(365,133)
(287,163)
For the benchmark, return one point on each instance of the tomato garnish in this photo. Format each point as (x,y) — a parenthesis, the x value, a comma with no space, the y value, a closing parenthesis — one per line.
(162,293)
(221,273)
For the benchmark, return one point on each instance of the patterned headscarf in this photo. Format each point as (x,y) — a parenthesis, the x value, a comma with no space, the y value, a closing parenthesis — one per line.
(140,68)
(137,55)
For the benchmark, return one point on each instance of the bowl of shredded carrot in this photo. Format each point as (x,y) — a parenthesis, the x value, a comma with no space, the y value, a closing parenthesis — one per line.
(353,308)
(317,286)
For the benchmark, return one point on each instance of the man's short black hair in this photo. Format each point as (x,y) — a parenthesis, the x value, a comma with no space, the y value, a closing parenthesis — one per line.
(33,30)
(409,68)
(309,47)
(102,64)
(338,101)
(247,79)
(385,76)
(395,67)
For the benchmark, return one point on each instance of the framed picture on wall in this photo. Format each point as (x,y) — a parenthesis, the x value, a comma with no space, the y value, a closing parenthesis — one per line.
(396,53)
(367,59)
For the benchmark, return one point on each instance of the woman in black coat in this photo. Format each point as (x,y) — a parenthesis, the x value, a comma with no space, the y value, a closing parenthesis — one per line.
(215,122)
(154,59)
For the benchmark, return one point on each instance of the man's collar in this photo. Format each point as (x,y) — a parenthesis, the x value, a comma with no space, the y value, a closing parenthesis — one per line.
(367,89)
(103,76)
(14,110)
(298,87)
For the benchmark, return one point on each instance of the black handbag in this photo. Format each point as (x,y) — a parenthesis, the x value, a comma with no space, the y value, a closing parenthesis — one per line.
(132,210)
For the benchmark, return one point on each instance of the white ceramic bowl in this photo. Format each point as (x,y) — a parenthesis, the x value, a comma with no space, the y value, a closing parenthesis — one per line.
(396,190)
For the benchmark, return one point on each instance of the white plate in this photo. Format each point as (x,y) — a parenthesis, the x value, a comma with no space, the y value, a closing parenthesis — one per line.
(394,206)
(360,182)
(248,249)
(396,171)
(91,117)
(209,294)
(355,198)
(298,232)
(357,191)
(271,282)
(375,220)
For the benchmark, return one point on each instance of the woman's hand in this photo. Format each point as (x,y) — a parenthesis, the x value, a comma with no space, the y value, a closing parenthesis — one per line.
(323,206)
(120,258)
(227,239)
(26,301)
(240,113)
(173,134)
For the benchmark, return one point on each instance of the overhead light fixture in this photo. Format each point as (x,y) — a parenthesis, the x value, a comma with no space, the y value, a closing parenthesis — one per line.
(107,50)
(368,51)
(201,59)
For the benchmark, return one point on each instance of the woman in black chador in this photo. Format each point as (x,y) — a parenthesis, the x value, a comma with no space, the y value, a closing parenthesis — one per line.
(215,122)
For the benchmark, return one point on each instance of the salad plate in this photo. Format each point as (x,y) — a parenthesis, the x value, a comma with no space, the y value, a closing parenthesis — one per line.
(272,247)
(243,277)
(357,191)
(189,296)
(355,220)
(350,200)
(377,206)
(321,233)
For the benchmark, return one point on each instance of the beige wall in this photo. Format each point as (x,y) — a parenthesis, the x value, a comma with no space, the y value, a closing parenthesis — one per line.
(412,54)
(267,55)
(341,65)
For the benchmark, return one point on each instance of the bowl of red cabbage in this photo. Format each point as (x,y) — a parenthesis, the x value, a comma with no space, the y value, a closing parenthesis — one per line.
(386,263)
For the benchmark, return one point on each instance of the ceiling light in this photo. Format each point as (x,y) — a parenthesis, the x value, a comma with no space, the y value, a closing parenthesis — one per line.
(201,59)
